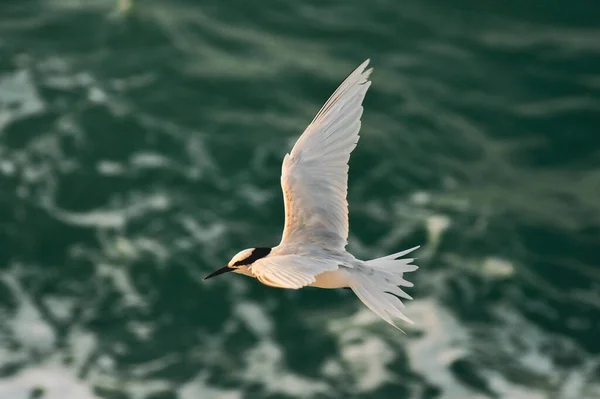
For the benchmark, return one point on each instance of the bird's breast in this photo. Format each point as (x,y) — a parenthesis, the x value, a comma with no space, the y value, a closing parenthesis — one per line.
(333,279)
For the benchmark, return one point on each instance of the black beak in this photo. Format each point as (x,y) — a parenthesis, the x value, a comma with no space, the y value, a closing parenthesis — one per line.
(220,271)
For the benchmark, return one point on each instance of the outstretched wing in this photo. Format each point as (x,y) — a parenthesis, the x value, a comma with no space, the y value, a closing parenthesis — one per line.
(290,271)
(315,173)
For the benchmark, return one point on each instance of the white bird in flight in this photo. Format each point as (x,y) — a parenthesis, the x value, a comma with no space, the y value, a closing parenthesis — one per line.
(314,179)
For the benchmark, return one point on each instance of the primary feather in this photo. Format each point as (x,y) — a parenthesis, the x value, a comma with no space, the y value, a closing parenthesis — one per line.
(314,175)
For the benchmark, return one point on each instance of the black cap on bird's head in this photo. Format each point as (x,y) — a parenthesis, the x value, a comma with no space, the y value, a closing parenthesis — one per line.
(242,258)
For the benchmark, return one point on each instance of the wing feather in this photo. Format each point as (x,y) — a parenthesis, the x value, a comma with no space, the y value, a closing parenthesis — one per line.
(290,271)
(314,175)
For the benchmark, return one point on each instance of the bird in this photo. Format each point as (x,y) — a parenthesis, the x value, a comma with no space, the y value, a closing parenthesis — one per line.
(314,180)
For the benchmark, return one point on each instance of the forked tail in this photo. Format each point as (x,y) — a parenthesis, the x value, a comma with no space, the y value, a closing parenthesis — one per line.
(377,285)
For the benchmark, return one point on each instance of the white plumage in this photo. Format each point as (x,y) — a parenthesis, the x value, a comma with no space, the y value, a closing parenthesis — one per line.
(314,180)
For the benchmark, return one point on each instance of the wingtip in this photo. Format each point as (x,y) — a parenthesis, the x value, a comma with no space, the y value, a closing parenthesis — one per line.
(364,66)
(365,72)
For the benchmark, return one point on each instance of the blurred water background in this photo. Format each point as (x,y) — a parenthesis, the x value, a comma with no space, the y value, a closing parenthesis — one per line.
(141,146)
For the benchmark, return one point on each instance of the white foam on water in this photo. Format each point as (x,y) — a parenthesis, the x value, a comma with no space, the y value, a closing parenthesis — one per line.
(7,167)
(121,281)
(436,225)
(365,355)
(45,372)
(442,342)
(110,168)
(150,160)
(54,381)
(199,389)
(255,195)
(61,308)
(255,318)
(368,358)
(97,218)
(97,95)
(421,198)
(111,218)
(19,97)
(31,329)
(204,233)
(27,324)
(264,365)
(499,268)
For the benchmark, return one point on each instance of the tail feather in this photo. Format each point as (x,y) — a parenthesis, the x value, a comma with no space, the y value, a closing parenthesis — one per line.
(377,285)
(397,254)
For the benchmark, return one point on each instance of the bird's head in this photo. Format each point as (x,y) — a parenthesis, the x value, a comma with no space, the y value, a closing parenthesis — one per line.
(242,261)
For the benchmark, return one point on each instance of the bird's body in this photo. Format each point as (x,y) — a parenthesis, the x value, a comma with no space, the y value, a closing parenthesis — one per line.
(314,181)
